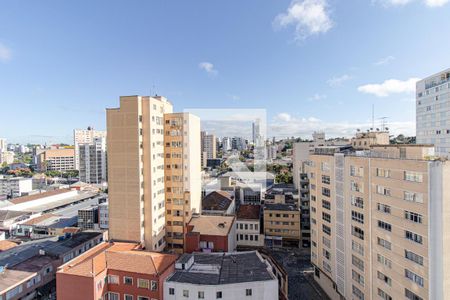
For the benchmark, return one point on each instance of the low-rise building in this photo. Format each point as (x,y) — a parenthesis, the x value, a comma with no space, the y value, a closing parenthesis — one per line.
(281,224)
(233,276)
(115,271)
(219,203)
(61,159)
(28,268)
(6,157)
(210,234)
(88,217)
(248,228)
(15,186)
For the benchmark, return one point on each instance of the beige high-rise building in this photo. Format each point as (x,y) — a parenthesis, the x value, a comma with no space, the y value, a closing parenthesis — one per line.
(208,148)
(182,170)
(380,222)
(140,151)
(85,136)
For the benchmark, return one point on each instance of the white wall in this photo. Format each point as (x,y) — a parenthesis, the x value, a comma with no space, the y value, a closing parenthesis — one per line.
(261,290)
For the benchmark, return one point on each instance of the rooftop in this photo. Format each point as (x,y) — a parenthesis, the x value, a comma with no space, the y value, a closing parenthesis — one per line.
(222,268)
(280,206)
(247,211)
(6,245)
(217,200)
(211,225)
(126,257)
(38,196)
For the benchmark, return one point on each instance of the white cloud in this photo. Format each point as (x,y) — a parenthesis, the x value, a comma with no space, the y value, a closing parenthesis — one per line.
(384,61)
(5,53)
(338,81)
(317,97)
(309,17)
(285,117)
(436,3)
(208,68)
(391,86)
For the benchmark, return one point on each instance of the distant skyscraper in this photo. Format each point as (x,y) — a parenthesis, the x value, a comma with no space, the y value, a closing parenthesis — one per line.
(208,148)
(257,137)
(3,145)
(153,171)
(82,136)
(92,161)
(432,116)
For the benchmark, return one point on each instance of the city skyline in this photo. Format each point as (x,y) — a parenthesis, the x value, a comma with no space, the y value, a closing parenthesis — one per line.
(201,58)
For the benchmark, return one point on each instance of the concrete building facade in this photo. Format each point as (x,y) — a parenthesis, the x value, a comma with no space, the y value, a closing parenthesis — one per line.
(92,161)
(85,136)
(378,222)
(432,116)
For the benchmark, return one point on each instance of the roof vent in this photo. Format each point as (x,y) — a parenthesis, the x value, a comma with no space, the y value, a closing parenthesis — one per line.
(221,225)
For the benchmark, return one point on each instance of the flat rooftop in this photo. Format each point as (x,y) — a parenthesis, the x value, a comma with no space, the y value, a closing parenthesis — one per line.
(222,268)
(280,206)
(212,225)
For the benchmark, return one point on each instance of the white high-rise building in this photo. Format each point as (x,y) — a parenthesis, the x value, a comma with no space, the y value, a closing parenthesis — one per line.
(208,148)
(82,136)
(432,115)
(3,145)
(92,161)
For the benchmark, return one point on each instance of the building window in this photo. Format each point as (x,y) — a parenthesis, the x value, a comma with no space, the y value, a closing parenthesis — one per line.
(326,204)
(384,278)
(326,179)
(127,297)
(411,296)
(358,248)
(128,280)
(358,277)
(326,217)
(143,298)
(414,277)
(384,243)
(218,295)
(383,295)
(248,292)
(326,192)
(384,225)
(201,295)
(113,279)
(143,283)
(186,293)
(154,285)
(358,232)
(381,190)
(357,262)
(384,208)
(413,237)
(384,261)
(357,293)
(357,187)
(413,197)
(357,201)
(413,176)
(358,217)
(383,173)
(414,257)
(326,229)
(411,216)
(112,296)
(171,291)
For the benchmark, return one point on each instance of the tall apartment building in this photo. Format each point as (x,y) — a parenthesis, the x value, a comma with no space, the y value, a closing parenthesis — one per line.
(3,145)
(182,173)
(153,157)
(85,136)
(208,147)
(92,161)
(380,222)
(432,116)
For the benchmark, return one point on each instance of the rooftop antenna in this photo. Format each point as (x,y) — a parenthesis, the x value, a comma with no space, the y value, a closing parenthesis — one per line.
(383,122)
(373,115)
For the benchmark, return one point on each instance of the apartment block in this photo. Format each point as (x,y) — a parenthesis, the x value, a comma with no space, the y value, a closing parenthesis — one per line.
(92,162)
(85,136)
(248,226)
(281,224)
(182,174)
(379,222)
(60,159)
(115,271)
(208,147)
(432,116)
(153,171)
(15,186)
(226,276)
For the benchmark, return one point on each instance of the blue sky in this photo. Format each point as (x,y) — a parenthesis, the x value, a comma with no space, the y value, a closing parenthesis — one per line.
(312,64)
